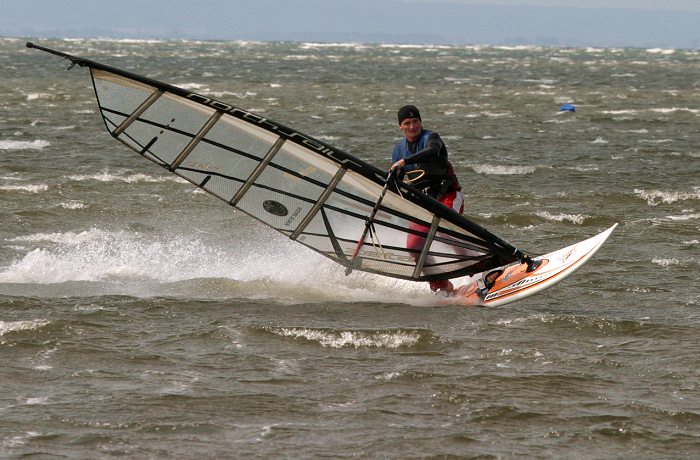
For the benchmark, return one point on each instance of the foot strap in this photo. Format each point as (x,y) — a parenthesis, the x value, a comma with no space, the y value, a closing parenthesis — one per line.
(532,264)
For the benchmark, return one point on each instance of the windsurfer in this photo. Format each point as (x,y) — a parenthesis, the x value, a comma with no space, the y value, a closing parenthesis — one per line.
(421,149)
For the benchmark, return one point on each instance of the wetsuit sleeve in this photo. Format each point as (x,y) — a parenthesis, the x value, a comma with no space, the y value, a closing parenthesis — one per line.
(430,153)
(395,154)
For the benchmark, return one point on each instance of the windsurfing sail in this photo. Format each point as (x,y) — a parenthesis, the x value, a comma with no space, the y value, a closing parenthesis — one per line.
(312,192)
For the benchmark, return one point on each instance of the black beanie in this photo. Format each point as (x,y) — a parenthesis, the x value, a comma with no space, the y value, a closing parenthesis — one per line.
(408,111)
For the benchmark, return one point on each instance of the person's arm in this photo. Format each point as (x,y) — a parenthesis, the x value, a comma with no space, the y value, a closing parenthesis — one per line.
(429,154)
(395,154)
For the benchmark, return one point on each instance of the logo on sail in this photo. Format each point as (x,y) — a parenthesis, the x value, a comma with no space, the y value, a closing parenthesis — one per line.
(275,207)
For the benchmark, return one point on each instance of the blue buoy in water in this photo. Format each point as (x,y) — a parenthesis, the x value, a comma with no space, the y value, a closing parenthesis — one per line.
(567,108)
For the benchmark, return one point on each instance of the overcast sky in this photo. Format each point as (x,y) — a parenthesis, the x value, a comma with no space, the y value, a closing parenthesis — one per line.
(678,5)
(634,23)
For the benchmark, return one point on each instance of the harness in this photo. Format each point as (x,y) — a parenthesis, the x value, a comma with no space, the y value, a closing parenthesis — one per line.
(439,192)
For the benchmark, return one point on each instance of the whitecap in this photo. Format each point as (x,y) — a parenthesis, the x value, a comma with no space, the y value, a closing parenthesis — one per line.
(19,440)
(356,339)
(31,188)
(353,45)
(14,326)
(35,96)
(684,217)
(73,205)
(666,262)
(584,168)
(655,141)
(503,170)
(656,197)
(24,145)
(128,178)
(135,41)
(620,112)
(561,217)
(674,109)
(497,114)
(192,86)
(664,51)
(300,57)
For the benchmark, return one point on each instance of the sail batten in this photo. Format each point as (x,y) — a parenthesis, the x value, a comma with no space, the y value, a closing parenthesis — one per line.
(319,203)
(420,262)
(195,140)
(136,113)
(257,171)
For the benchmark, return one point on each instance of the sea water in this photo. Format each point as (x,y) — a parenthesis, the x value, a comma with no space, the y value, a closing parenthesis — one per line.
(141,317)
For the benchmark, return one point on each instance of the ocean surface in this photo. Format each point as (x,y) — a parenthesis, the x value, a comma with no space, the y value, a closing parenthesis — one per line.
(142,318)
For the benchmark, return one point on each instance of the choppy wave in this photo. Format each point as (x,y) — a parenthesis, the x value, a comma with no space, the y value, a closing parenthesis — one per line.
(674,110)
(656,197)
(579,322)
(666,262)
(35,96)
(14,326)
(666,51)
(73,205)
(312,45)
(144,41)
(129,178)
(353,339)
(684,217)
(31,188)
(561,217)
(24,145)
(503,170)
(193,86)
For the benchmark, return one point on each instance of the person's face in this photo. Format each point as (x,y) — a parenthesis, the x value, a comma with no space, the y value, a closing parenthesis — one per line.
(411,128)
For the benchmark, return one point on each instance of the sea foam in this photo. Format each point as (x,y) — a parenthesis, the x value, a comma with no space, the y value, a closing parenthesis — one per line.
(129,258)
(656,197)
(31,188)
(561,217)
(23,145)
(107,176)
(14,326)
(503,170)
(354,339)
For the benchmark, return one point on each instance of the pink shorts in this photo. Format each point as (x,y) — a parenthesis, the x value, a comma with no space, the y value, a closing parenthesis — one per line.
(452,199)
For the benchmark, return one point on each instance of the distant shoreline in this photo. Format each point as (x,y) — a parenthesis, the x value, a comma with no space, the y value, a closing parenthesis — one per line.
(340,44)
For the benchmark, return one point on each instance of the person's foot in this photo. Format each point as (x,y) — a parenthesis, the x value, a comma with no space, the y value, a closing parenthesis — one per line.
(442,287)
(491,277)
